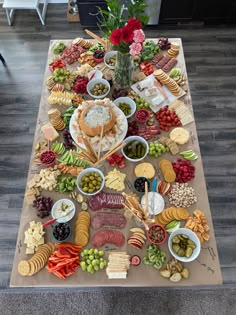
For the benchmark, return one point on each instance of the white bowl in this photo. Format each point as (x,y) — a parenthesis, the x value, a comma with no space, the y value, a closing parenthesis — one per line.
(91,85)
(193,237)
(128,101)
(156,203)
(84,172)
(109,55)
(56,213)
(98,74)
(140,139)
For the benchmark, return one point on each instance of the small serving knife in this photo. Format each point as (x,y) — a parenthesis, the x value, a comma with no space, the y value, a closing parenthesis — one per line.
(55,219)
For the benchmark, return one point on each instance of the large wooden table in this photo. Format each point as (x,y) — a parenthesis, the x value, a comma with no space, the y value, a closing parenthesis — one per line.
(205,270)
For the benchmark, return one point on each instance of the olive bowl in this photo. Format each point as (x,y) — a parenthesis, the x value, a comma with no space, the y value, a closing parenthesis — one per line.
(83,173)
(91,84)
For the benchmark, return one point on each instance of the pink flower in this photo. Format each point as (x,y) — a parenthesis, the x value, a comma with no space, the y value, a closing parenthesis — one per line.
(135,49)
(139,36)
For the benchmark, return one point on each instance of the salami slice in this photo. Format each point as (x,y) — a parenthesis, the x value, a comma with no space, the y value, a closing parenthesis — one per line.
(108,219)
(103,237)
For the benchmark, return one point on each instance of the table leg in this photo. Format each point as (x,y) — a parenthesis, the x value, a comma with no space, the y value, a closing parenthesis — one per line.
(2,59)
(8,17)
(44,9)
(40,15)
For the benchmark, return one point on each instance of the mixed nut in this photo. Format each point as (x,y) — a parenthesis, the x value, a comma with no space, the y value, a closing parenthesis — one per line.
(156,234)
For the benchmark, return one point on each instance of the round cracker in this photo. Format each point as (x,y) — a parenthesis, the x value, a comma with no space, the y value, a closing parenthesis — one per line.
(23,268)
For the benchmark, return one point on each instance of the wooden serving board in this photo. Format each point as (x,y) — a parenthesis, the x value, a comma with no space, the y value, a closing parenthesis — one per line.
(205,270)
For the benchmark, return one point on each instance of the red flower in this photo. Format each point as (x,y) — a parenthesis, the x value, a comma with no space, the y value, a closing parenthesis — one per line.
(128,34)
(134,23)
(116,36)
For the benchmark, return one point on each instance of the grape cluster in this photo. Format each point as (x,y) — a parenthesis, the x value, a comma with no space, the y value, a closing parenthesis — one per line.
(156,149)
(141,103)
(43,206)
(163,43)
(67,139)
(92,260)
(60,75)
(132,128)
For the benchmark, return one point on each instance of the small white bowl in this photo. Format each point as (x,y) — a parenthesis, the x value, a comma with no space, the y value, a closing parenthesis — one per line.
(57,205)
(140,139)
(193,237)
(98,74)
(109,55)
(91,85)
(156,203)
(128,101)
(84,172)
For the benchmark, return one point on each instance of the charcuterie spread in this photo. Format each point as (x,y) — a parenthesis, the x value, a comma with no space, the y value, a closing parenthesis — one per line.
(115,194)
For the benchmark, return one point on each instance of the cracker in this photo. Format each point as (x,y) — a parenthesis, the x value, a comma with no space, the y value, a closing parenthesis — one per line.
(183,213)
(24,268)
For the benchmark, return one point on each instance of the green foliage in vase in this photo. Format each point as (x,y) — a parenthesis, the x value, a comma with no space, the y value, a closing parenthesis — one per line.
(111,18)
(117,14)
(136,9)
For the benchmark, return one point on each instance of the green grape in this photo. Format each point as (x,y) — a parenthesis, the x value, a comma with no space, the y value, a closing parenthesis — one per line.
(90,251)
(94,262)
(102,265)
(83,264)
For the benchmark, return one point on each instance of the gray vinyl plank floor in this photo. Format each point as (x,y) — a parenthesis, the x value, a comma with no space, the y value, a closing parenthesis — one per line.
(210,54)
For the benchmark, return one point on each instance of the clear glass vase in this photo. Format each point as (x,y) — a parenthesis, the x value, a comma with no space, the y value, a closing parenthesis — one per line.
(124,69)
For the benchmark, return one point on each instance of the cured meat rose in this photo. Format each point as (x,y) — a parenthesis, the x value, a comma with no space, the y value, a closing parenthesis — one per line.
(108,237)
(111,219)
(106,200)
